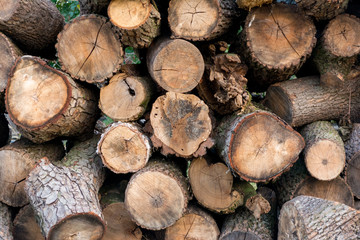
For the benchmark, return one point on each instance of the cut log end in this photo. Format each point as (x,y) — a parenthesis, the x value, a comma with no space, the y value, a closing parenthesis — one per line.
(7,9)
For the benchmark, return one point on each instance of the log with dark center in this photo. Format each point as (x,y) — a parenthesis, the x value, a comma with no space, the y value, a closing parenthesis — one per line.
(5,222)
(25,225)
(322,9)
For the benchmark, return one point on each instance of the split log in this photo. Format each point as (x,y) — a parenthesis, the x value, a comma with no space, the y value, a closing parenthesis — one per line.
(277,40)
(249,4)
(4,130)
(196,224)
(94,6)
(138,21)
(313,218)
(352,174)
(201,20)
(322,9)
(34,24)
(25,225)
(213,186)
(352,146)
(324,152)
(258,146)
(88,49)
(123,148)
(65,196)
(223,86)
(126,98)
(16,162)
(305,100)
(157,195)
(41,115)
(336,53)
(181,122)
(5,223)
(176,65)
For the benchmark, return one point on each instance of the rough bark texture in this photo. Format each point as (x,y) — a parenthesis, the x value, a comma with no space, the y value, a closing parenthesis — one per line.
(25,225)
(16,162)
(249,4)
(33,24)
(157,196)
(65,196)
(304,100)
(352,174)
(352,146)
(258,146)
(94,6)
(313,218)
(322,9)
(41,115)
(5,223)
(201,20)
(89,49)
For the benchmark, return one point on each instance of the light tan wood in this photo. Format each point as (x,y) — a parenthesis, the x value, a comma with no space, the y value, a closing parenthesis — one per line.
(7,8)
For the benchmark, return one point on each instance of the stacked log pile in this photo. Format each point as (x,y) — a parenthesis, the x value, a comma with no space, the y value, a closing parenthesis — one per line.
(207,138)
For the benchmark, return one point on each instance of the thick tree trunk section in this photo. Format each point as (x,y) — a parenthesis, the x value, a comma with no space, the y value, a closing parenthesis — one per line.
(276,42)
(4,130)
(352,174)
(223,86)
(65,196)
(258,146)
(181,122)
(304,100)
(16,162)
(126,98)
(324,151)
(322,9)
(33,24)
(46,103)
(313,218)
(94,6)
(157,196)
(196,224)
(249,4)
(201,20)
(123,148)
(176,65)
(5,223)
(213,186)
(352,146)
(25,225)
(89,49)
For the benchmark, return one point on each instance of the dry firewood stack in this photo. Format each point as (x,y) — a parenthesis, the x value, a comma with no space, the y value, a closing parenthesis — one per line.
(210,136)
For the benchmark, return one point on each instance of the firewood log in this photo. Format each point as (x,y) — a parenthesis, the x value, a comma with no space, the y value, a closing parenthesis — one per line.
(352,174)
(94,6)
(322,9)
(352,146)
(249,4)
(25,225)
(5,222)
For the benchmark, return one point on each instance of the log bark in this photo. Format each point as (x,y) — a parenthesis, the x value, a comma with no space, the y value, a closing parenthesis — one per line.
(34,25)
(25,225)
(124,148)
(5,223)
(258,146)
(181,122)
(65,196)
(352,146)
(254,201)
(313,218)
(176,65)
(352,174)
(249,4)
(196,224)
(157,195)
(94,6)
(324,152)
(305,100)
(89,50)
(276,41)
(16,162)
(213,186)
(39,114)
(201,20)
(323,9)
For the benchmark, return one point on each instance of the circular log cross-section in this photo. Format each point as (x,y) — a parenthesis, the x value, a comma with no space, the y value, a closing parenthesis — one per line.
(89,49)
(352,174)
(176,65)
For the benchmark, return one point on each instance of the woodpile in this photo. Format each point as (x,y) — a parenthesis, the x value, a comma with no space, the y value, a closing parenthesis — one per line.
(236,119)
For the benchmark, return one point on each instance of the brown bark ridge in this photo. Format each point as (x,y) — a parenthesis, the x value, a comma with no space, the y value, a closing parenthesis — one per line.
(33,24)
(88,49)
(181,122)
(4,130)
(352,145)
(157,195)
(258,146)
(94,6)
(276,41)
(249,4)
(305,100)
(322,9)
(126,97)
(176,65)
(25,225)
(352,174)
(223,86)
(324,151)
(307,217)
(16,161)
(124,148)
(196,224)
(5,223)
(213,186)
(337,51)
(201,20)
(65,196)
(138,21)
(254,201)
(39,114)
